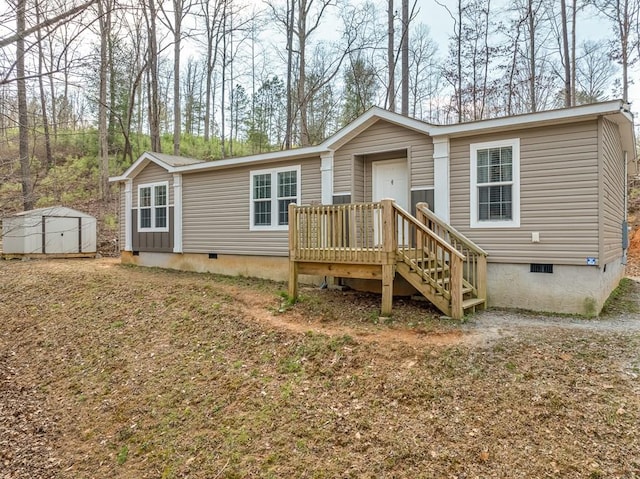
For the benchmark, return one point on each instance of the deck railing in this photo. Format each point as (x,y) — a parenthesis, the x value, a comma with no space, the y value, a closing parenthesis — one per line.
(350,233)
(474,267)
(374,240)
(429,256)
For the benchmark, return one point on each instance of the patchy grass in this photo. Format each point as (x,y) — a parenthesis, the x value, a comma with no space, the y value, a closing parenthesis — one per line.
(622,300)
(150,373)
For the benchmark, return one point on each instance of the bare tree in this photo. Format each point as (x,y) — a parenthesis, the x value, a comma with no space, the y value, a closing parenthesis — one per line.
(594,72)
(104,19)
(181,9)
(624,16)
(566,62)
(150,14)
(43,98)
(391,58)
(405,58)
(23,126)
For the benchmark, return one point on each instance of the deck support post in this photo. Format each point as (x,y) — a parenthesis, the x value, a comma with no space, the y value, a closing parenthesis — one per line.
(457,311)
(387,289)
(482,277)
(293,280)
(389,247)
(293,266)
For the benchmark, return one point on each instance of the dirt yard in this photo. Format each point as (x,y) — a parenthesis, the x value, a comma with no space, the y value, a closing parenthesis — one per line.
(122,372)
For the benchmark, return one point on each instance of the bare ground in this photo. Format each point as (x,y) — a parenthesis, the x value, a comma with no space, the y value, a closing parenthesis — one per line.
(113,371)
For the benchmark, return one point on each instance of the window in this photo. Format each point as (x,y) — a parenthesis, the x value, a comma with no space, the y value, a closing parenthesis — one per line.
(153,207)
(271,193)
(495,184)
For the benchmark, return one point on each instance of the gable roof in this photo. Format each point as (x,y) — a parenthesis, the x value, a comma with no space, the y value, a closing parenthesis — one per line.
(616,110)
(169,162)
(368,118)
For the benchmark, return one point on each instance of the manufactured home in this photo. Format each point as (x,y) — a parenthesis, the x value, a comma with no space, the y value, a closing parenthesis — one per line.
(527,211)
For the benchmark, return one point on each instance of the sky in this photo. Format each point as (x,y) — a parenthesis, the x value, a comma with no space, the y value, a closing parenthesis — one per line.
(441,24)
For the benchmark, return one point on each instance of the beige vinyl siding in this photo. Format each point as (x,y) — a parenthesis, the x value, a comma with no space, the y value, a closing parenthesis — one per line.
(613,190)
(152,173)
(558,196)
(380,137)
(216,210)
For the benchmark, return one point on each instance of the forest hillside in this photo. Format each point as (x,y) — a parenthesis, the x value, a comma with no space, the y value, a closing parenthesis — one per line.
(87,85)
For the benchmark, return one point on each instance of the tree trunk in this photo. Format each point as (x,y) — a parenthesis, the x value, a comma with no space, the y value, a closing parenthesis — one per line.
(52,92)
(565,50)
(302,73)
(391,88)
(459,63)
(224,79)
(103,143)
(289,127)
(231,91)
(405,57)
(43,97)
(153,97)
(532,57)
(177,33)
(111,122)
(23,127)
(573,51)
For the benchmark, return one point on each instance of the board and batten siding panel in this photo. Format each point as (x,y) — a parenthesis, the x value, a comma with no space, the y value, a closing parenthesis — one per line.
(216,210)
(122,215)
(152,173)
(613,190)
(558,195)
(380,137)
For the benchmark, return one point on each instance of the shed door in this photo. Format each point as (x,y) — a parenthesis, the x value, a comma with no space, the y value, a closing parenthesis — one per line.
(61,235)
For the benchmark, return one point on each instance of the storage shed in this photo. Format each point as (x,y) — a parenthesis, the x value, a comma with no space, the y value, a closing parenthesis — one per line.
(55,231)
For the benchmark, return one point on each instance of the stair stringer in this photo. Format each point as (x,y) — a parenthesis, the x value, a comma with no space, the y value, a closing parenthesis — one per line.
(425,289)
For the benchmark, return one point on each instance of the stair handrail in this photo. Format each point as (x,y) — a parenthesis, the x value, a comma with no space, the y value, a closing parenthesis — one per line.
(455,261)
(413,220)
(424,209)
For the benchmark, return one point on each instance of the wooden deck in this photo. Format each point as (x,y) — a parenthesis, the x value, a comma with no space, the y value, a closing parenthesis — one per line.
(379,240)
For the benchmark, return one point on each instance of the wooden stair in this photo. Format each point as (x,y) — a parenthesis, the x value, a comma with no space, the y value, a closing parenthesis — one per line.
(378,240)
(433,290)
(445,267)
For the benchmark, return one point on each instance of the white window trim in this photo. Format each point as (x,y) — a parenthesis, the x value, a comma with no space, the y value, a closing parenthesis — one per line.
(514,143)
(274,226)
(153,229)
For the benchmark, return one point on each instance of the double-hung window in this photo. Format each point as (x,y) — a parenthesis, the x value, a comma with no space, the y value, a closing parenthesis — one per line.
(495,184)
(153,207)
(271,193)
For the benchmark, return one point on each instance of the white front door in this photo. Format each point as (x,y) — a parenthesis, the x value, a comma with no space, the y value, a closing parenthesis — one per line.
(390,179)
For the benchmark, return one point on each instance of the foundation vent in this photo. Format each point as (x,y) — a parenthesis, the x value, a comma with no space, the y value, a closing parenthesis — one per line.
(213,255)
(540,268)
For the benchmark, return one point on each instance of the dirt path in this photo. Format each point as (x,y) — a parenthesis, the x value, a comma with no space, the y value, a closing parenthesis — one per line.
(482,329)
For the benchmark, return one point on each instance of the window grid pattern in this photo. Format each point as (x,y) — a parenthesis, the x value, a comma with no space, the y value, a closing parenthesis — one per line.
(287,193)
(153,207)
(272,192)
(495,181)
(262,200)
